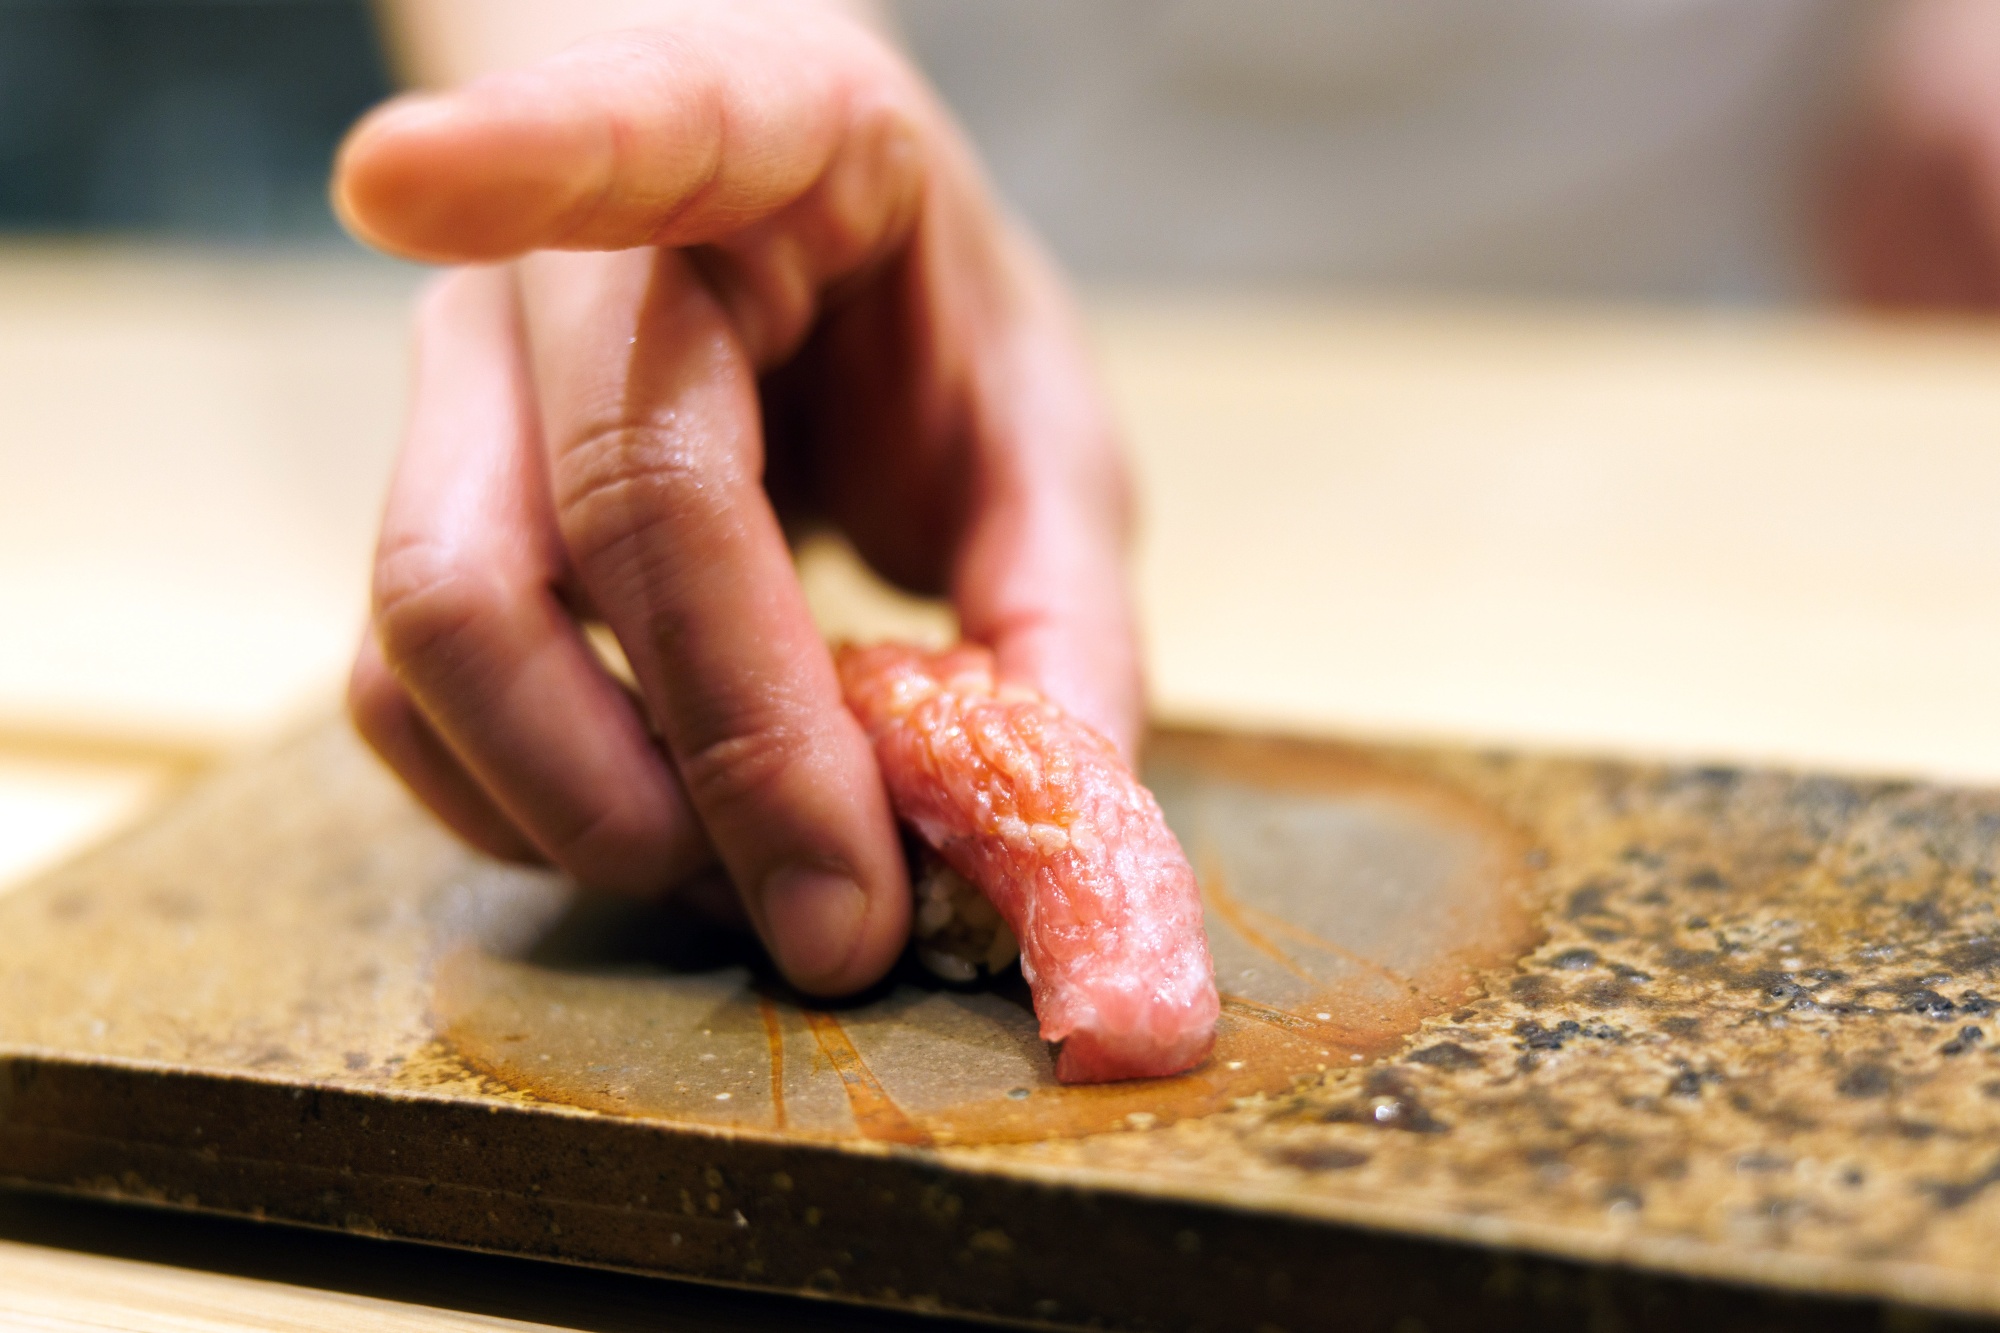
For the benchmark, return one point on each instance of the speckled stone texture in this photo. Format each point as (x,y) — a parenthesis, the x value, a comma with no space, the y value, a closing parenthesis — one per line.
(1760,1036)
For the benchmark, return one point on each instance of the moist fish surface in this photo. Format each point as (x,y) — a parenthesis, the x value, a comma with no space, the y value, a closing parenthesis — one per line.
(1044,817)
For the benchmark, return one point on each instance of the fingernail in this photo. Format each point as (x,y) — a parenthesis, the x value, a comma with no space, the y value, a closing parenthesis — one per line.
(812,916)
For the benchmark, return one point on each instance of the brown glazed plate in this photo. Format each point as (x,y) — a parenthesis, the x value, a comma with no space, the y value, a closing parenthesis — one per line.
(1506,1042)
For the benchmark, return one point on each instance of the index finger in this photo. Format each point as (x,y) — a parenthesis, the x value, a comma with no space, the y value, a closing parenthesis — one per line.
(672,135)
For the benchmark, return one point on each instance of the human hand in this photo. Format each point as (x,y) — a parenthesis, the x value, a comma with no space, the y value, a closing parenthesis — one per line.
(732,266)
(1916,212)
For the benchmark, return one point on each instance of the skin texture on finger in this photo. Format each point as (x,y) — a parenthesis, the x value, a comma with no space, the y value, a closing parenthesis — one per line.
(468,621)
(961,439)
(773,277)
(394,729)
(681,133)
(650,413)
(382,712)
(1043,572)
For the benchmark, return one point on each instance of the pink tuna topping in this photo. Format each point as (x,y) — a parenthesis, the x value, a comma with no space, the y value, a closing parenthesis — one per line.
(1041,813)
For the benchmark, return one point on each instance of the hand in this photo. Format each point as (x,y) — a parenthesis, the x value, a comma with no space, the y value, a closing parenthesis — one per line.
(731,265)
(1916,219)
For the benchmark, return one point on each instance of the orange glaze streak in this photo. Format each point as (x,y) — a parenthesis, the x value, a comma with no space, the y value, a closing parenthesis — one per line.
(1287,1021)
(876,1114)
(1300,935)
(1270,1017)
(774,1039)
(1215,889)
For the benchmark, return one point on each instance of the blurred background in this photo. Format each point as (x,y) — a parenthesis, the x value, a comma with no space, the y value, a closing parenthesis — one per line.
(1662,148)
(1507,370)
(203,120)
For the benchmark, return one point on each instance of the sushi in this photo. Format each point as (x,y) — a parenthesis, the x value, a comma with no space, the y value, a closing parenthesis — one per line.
(1042,815)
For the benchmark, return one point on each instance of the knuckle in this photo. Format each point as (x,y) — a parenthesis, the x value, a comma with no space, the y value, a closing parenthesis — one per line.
(621,484)
(743,767)
(590,845)
(618,848)
(430,600)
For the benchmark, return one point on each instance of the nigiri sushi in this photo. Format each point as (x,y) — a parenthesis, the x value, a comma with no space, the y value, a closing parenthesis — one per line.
(1042,815)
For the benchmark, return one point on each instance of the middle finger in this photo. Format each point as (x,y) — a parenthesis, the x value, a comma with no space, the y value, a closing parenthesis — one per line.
(650,411)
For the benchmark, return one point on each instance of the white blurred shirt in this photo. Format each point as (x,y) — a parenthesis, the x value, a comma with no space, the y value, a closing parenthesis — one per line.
(1664,148)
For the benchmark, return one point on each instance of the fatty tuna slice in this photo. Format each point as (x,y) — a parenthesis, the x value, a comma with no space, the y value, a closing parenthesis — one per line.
(1043,816)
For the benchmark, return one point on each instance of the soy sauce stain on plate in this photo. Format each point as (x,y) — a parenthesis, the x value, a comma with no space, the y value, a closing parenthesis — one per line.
(1345,904)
